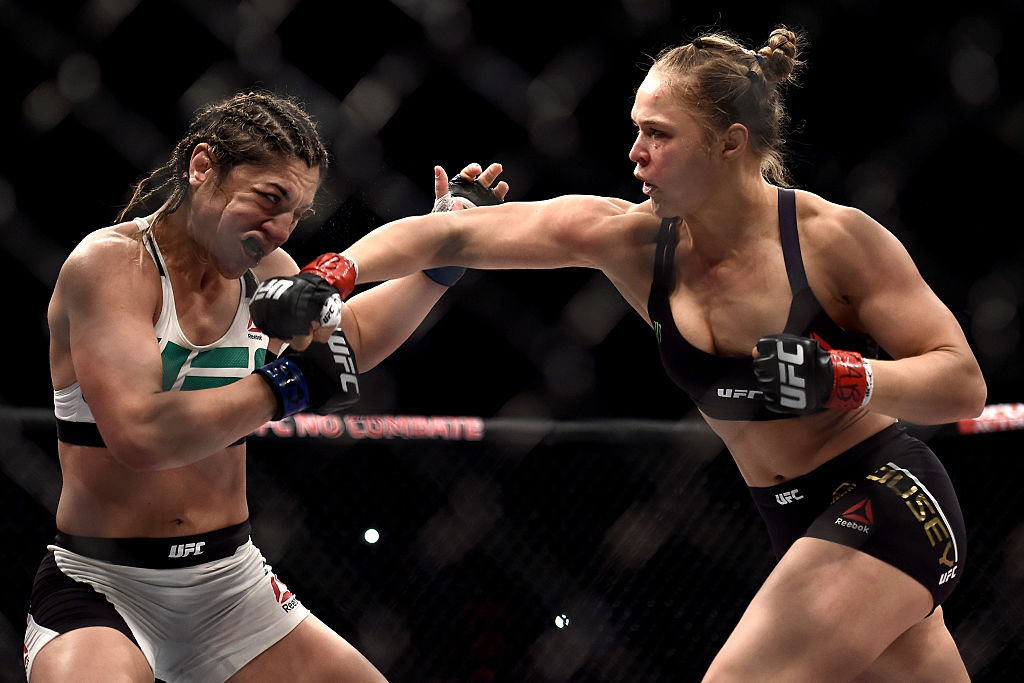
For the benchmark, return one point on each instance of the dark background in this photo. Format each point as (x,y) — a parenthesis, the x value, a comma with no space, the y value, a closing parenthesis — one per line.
(912,113)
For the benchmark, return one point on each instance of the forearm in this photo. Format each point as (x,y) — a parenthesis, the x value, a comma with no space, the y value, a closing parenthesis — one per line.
(403,247)
(938,387)
(382,318)
(548,234)
(177,428)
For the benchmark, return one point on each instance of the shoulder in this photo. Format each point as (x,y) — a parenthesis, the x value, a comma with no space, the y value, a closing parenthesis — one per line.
(595,219)
(277,263)
(109,270)
(114,252)
(848,248)
(828,226)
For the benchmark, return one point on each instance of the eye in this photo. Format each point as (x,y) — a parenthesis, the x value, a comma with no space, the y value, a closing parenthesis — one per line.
(271,197)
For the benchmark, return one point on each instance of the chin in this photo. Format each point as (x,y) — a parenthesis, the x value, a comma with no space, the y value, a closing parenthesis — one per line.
(661,210)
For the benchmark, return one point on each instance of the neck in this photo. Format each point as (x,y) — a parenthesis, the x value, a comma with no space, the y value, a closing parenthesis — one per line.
(730,216)
(189,260)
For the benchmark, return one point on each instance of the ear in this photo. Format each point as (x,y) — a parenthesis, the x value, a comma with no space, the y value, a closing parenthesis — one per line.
(200,166)
(734,141)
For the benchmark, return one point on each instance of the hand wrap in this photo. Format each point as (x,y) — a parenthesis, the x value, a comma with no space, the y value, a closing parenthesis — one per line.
(800,377)
(322,378)
(284,307)
(339,271)
(472,194)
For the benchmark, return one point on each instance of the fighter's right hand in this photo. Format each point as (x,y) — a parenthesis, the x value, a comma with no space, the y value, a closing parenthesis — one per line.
(287,307)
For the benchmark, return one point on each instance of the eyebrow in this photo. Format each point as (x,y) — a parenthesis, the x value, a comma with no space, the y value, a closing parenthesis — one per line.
(279,188)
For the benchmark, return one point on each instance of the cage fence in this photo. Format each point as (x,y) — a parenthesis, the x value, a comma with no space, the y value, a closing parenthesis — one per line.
(454,548)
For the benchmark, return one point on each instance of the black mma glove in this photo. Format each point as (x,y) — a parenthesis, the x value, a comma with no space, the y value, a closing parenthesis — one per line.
(800,377)
(284,307)
(473,194)
(322,378)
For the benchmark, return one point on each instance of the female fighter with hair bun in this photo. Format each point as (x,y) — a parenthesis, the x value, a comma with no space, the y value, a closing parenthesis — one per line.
(768,305)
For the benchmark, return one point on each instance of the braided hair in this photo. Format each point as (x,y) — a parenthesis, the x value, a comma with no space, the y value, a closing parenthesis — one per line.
(724,83)
(248,128)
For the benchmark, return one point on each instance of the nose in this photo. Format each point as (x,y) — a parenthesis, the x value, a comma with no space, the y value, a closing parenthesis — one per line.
(279,228)
(637,153)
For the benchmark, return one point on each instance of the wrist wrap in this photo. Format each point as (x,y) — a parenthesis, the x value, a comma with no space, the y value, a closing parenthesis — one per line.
(339,271)
(852,380)
(289,385)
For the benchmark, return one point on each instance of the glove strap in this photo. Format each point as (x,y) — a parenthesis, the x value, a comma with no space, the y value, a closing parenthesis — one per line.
(447,275)
(339,271)
(289,384)
(852,381)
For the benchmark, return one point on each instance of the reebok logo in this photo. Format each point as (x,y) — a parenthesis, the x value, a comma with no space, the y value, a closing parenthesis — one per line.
(858,516)
(255,333)
(186,549)
(284,597)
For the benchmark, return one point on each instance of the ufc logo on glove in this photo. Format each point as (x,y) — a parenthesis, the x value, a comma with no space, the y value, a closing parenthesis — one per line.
(792,387)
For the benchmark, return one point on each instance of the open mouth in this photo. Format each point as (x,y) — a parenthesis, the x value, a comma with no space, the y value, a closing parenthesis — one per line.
(253,249)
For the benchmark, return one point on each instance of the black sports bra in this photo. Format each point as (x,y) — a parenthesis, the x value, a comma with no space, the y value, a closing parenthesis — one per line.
(724,387)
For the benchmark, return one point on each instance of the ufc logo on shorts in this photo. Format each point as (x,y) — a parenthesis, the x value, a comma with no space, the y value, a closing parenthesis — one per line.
(788,497)
(791,386)
(272,290)
(186,549)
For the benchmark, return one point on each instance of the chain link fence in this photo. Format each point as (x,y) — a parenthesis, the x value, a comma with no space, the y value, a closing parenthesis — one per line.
(592,532)
(460,549)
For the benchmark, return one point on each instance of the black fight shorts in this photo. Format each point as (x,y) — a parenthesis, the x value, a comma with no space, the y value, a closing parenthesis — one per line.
(888,496)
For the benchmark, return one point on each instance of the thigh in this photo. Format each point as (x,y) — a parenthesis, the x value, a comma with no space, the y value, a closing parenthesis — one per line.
(925,653)
(95,653)
(826,612)
(310,652)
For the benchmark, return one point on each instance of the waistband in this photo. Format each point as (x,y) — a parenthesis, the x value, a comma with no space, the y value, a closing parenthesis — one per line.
(861,456)
(159,553)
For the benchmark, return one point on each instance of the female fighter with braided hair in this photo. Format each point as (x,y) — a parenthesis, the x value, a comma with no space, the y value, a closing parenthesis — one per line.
(768,305)
(158,376)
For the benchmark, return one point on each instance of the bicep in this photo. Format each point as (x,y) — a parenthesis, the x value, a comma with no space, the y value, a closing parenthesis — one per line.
(111,341)
(380,319)
(892,301)
(570,231)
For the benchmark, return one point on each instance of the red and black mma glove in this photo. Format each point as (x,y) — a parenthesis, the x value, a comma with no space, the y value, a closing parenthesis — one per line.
(798,376)
(322,378)
(472,193)
(284,307)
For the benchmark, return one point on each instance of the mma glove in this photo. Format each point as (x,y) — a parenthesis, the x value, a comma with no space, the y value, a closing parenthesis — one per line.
(472,194)
(322,378)
(284,307)
(799,377)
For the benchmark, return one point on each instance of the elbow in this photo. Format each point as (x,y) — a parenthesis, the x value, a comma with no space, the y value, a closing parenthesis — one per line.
(131,449)
(976,396)
(969,399)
